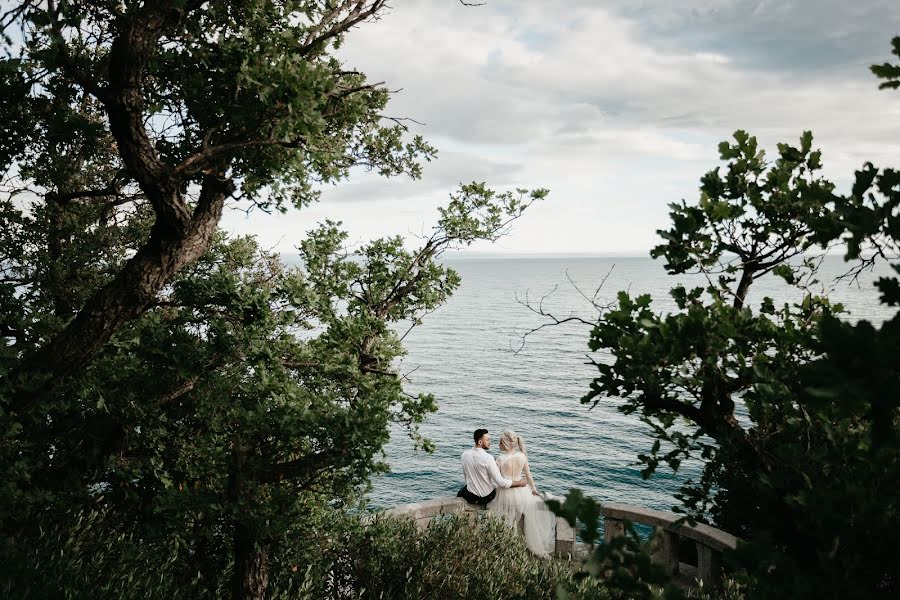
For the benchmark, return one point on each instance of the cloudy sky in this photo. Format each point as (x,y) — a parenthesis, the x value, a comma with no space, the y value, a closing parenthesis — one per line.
(616,106)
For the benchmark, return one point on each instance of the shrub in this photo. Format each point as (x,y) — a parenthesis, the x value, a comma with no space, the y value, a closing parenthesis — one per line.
(455,557)
(336,556)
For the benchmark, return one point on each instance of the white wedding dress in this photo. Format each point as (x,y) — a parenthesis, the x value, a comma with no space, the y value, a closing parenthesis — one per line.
(513,504)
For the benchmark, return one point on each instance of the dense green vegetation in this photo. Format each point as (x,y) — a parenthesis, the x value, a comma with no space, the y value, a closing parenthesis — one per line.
(455,558)
(177,406)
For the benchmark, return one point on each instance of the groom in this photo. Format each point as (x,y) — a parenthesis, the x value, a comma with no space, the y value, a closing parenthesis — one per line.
(481,473)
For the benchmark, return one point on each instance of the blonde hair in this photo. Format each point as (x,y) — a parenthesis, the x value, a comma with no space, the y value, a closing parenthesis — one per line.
(510,441)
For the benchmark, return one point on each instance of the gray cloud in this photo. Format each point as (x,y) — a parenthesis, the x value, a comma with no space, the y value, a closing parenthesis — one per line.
(617,107)
(517,74)
(798,36)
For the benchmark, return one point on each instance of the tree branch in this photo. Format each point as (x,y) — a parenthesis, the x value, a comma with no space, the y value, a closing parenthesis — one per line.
(331,25)
(554,320)
(124,298)
(85,80)
(207,157)
(306,465)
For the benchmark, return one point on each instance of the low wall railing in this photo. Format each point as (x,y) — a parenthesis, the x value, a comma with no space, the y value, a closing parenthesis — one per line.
(669,533)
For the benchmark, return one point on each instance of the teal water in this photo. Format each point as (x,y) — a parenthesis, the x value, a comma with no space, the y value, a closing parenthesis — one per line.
(464,354)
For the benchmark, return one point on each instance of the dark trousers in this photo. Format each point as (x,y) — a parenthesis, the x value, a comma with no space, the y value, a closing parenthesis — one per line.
(471,498)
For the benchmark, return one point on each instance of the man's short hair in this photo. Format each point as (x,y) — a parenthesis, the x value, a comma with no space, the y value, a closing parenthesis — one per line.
(479,433)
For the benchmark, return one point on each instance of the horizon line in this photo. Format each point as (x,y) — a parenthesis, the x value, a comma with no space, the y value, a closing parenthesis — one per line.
(479,254)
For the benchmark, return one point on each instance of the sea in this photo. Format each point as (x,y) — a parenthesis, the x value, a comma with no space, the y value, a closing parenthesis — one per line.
(490,364)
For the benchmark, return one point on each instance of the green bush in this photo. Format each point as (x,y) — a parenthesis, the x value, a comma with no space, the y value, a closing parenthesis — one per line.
(730,589)
(338,556)
(456,557)
(93,555)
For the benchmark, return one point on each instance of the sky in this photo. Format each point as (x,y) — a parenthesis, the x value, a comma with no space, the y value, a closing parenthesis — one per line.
(617,107)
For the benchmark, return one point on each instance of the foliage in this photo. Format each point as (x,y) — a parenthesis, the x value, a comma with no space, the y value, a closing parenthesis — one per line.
(184,396)
(453,558)
(151,116)
(383,558)
(624,564)
(761,215)
(889,72)
(730,589)
(249,393)
(252,85)
(808,477)
(95,555)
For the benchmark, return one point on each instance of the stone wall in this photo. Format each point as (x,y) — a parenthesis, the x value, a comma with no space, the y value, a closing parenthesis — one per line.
(669,529)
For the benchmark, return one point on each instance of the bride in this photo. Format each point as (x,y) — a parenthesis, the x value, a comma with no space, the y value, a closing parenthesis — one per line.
(512,504)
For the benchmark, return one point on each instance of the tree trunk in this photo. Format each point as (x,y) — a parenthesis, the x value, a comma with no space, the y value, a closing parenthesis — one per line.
(251,566)
(124,298)
(178,237)
(743,287)
(251,558)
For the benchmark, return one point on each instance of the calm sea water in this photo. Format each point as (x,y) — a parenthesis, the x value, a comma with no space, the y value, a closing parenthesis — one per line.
(465,354)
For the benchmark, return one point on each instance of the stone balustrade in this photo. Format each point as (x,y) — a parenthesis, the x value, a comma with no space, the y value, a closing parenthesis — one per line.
(668,533)
(667,539)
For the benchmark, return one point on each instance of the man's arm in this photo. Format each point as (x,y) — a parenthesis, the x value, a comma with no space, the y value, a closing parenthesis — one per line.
(500,480)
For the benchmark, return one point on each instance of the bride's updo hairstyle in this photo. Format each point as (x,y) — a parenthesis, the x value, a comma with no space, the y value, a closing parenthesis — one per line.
(510,441)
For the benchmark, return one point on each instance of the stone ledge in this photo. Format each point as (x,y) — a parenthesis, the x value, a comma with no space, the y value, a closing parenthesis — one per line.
(430,508)
(423,512)
(710,537)
(711,542)
(704,534)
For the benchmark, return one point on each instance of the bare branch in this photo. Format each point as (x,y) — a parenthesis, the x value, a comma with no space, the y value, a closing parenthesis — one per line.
(334,24)
(593,299)
(572,318)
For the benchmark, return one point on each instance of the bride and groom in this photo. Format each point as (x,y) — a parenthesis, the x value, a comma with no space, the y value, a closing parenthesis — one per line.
(499,486)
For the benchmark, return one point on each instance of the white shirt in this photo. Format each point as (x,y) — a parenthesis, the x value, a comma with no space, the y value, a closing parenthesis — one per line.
(481,472)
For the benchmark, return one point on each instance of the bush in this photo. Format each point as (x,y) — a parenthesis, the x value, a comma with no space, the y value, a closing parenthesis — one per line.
(331,555)
(730,589)
(92,555)
(456,557)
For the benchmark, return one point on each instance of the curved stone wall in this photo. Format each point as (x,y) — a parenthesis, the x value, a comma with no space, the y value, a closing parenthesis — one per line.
(670,532)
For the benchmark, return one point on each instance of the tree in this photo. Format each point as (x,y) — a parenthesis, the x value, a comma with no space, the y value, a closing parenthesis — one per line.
(810,478)
(193,102)
(209,430)
(271,390)
(172,399)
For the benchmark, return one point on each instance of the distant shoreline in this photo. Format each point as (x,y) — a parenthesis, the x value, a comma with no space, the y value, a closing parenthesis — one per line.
(454,256)
(492,256)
